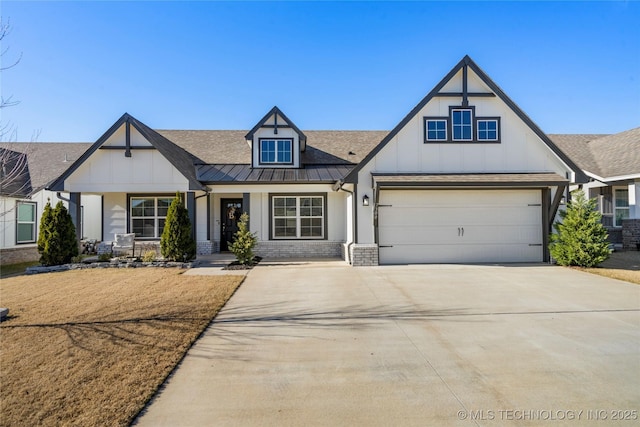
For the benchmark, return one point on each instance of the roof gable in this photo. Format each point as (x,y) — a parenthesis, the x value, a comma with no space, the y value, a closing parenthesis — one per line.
(445,89)
(276,113)
(178,157)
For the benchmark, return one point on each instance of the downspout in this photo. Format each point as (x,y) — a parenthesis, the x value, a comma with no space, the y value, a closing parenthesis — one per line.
(59,196)
(354,217)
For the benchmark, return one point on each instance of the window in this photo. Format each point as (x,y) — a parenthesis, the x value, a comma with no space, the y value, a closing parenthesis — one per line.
(25,222)
(461,124)
(621,206)
(487,129)
(148,215)
(276,151)
(436,129)
(298,217)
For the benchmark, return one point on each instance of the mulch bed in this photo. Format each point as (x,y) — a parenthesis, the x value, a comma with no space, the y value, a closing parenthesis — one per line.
(237,266)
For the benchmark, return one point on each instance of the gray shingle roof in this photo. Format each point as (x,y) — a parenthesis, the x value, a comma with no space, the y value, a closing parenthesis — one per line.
(47,160)
(231,147)
(604,155)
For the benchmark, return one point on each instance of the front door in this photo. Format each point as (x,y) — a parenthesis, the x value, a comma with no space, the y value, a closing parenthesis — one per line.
(230,214)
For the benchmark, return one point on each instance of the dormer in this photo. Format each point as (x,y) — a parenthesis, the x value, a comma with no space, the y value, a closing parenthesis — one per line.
(276,142)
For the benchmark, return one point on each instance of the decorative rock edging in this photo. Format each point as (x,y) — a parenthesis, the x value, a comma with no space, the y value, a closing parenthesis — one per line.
(111,264)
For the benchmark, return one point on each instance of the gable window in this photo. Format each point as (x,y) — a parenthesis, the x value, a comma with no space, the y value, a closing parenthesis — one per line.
(298,217)
(276,151)
(487,129)
(25,222)
(620,206)
(436,129)
(461,124)
(148,215)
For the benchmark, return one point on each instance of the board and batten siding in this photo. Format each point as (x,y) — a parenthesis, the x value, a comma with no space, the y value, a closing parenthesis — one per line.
(108,170)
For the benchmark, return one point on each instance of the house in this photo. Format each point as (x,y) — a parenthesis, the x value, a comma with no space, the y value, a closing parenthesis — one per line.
(612,165)
(25,170)
(466,176)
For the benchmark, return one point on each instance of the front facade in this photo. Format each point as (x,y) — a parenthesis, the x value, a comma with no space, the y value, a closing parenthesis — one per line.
(612,166)
(466,176)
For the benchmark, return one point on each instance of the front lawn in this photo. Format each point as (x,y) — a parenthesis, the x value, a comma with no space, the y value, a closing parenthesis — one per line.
(621,265)
(91,347)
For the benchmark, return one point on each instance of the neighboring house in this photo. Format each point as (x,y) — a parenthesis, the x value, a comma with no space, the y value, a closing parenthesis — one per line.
(25,170)
(612,164)
(466,176)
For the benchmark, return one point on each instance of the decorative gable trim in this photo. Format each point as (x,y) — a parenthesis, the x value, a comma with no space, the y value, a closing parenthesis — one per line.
(466,62)
(177,156)
(275,111)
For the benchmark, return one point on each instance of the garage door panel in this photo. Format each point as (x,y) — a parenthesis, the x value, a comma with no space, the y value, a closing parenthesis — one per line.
(426,254)
(422,226)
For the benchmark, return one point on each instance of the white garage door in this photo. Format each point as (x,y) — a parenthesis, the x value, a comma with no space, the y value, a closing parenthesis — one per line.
(460,226)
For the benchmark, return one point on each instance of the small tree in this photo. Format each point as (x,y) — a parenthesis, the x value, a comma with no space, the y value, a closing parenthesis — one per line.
(244,242)
(176,243)
(580,238)
(57,242)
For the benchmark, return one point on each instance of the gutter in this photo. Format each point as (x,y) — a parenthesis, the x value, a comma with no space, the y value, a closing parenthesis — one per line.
(338,186)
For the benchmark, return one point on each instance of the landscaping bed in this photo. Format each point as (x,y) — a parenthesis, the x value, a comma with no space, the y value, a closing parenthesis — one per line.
(91,347)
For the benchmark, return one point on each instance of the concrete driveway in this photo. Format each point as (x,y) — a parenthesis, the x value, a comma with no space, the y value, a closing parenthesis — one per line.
(326,344)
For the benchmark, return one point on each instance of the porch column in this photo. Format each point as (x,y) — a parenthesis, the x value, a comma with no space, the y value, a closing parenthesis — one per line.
(246,207)
(191,209)
(76,214)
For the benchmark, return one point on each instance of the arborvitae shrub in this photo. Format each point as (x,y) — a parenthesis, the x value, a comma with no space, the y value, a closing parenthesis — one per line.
(176,243)
(580,238)
(57,242)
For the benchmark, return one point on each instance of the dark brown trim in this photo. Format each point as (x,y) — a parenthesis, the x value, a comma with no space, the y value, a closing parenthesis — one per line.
(275,110)
(127,139)
(469,94)
(546,198)
(553,208)
(293,152)
(465,98)
(498,130)
(580,176)
(124,147)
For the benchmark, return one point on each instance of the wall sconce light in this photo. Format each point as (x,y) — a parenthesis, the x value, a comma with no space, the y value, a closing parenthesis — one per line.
(365,200)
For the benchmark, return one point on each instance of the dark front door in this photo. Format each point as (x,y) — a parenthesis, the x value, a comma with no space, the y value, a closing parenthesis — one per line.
(231,211)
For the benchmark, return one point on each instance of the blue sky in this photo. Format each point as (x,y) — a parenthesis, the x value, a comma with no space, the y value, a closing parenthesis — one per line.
(573,67)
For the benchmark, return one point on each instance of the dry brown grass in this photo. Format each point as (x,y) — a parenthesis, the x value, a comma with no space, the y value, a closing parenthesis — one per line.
(621,265)
(91,347)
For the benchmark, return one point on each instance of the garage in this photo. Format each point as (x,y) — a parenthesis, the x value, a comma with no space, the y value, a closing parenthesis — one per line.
(460,226)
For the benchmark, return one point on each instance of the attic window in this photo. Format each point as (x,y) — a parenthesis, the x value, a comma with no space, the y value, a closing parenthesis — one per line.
(276,151)
(461,124)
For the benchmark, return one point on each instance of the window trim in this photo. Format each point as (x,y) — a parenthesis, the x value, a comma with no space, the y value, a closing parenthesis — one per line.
(298,196)
(449,127)
(487,119)
(262,162)
(616,208)
(472,109)
(156,196)
(436,119)
(34,225)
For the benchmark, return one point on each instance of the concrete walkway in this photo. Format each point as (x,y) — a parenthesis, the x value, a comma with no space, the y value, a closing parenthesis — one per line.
(330,345)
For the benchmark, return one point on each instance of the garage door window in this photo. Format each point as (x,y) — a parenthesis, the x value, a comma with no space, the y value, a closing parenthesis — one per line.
(298,217)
